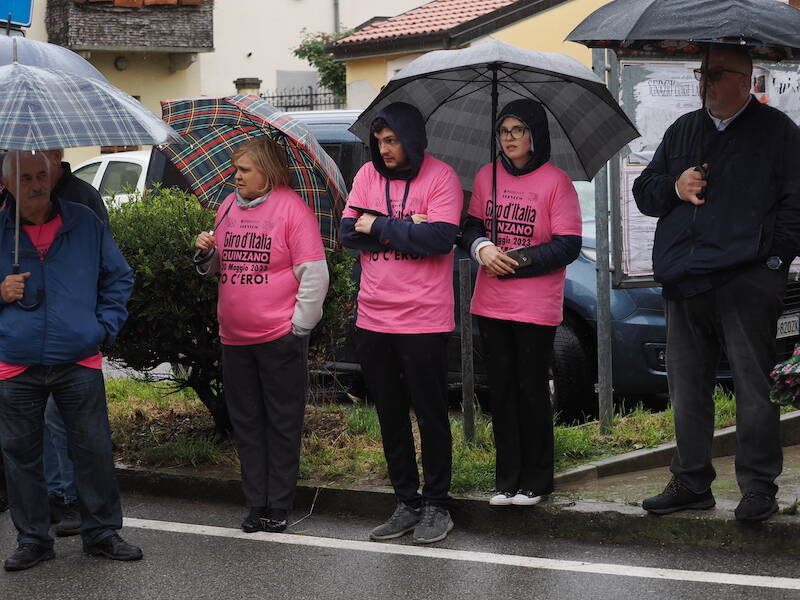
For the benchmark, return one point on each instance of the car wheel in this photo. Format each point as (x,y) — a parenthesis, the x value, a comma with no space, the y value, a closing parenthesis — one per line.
(572,375)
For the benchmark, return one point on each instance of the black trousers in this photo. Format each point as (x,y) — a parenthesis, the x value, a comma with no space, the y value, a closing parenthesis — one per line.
(266,386)
(517,359)
(404,371)
(741,315)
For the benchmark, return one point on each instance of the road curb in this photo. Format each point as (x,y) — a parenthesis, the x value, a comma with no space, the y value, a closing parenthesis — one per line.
(563,515)
(649,458)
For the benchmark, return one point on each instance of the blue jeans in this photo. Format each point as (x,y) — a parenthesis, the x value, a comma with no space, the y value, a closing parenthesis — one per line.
(79,394)
(59,472)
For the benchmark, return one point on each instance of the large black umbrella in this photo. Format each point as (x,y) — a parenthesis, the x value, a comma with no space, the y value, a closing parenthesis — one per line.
(459,92)
(770,28)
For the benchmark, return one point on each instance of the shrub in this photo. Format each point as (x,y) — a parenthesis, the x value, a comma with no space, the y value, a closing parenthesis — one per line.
(172,311)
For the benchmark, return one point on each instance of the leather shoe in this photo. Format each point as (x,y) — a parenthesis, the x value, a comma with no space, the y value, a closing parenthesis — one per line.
(274,525)
(252,522)
(115,548)
(27,556)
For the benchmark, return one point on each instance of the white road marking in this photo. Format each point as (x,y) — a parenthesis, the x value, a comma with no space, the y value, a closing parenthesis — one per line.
(478,557)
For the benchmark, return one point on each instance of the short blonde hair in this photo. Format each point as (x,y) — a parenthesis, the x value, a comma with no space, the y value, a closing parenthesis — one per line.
(269,158)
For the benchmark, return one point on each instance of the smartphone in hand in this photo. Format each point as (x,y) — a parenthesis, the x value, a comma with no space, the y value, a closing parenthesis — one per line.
(519,255)
(369,211)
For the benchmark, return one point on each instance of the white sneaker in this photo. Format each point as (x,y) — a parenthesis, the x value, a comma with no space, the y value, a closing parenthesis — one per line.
(501,499)
(526,498)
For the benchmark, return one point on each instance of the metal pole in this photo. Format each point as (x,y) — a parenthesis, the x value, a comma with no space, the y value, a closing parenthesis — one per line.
(467,373)
(604,373)
(493,145)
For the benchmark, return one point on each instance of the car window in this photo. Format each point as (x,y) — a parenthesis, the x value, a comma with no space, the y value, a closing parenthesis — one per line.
(87,173)
(348,156)
(119,177)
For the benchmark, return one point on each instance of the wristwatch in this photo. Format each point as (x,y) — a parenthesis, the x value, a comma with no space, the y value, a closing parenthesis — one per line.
(774,263)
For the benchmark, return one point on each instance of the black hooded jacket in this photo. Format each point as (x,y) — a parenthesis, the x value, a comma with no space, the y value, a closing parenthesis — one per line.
(561,249)
(752,202)
(423,239)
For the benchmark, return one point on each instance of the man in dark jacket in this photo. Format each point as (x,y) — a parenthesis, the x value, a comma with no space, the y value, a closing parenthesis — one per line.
(59,472)
(403,214)
(69,263)
(722,249)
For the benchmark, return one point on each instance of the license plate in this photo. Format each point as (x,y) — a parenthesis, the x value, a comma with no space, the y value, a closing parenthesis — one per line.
(788,326)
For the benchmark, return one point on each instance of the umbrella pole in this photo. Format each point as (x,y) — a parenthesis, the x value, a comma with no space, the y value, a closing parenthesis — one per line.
(493,67)
(15,266)
(701,142)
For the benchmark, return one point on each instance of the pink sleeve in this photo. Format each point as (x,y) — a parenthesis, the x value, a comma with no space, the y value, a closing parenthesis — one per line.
(447,199)
(305,242)
(357,196)
(480,196)
(565,209)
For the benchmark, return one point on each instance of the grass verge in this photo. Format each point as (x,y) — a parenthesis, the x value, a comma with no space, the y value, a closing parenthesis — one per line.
(154,426)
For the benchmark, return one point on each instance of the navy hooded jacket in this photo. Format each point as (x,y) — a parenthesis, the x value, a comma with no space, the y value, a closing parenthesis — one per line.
(423,239)
(86,282)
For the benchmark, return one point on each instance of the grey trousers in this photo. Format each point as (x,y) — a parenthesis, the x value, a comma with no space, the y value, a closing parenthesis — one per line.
(740,315)
(266,386)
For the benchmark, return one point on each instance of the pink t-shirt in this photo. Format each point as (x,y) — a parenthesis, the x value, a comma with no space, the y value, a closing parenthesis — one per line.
(258,248)
(531,210)
(407,293)
(42,237)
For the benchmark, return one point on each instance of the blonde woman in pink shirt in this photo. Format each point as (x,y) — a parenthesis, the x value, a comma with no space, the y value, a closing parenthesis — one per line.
(519,294)
(267,248)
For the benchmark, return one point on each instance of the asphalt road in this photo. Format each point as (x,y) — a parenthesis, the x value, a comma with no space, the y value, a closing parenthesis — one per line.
(195,550)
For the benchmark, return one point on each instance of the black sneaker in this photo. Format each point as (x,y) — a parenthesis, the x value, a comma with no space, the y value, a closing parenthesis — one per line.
(115,548)
(403,520)
(27,556)
(70,521)
(434,525)
(756,506)
(677,496)
(252,522)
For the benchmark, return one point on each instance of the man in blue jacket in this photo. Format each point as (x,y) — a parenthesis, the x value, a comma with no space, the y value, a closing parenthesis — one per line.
(70,262)
(403,214)
(722,250)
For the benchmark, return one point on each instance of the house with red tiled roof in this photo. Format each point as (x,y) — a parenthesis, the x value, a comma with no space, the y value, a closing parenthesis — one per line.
(379,48)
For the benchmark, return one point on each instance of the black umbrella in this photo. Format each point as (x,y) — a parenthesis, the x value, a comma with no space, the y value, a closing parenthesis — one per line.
(459,92)
(770,28)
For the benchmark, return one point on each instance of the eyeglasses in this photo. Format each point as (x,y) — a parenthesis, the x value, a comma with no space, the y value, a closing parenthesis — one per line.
(515,132)
(713,74)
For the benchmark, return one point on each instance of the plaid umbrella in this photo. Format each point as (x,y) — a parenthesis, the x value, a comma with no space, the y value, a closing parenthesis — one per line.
(43,108)
(212,128)
(786,381)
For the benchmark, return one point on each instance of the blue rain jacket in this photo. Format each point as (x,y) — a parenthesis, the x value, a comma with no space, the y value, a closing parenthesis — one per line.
(86,282)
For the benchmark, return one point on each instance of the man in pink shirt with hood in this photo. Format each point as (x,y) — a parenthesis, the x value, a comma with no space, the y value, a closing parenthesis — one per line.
(403,214)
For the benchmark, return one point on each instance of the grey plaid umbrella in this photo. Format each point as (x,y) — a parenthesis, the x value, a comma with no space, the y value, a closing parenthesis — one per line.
(43,108)
(459,92)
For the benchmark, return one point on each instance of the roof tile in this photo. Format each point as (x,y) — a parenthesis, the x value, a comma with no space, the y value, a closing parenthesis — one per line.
(438,15)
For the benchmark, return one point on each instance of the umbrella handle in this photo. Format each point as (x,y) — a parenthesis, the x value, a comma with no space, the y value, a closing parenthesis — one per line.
(199,258)
(39,295)
(704,174)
